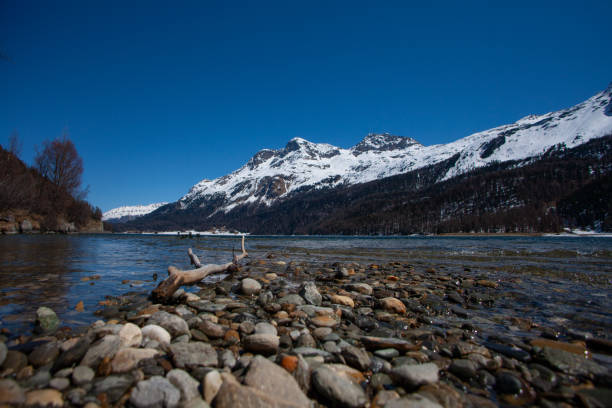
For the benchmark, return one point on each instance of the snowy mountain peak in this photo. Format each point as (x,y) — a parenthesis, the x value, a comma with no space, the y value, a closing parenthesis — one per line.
(303,165)
(127,213)
(383,142)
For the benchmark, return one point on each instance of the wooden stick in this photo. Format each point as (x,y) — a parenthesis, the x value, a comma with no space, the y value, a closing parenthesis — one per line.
(177,278)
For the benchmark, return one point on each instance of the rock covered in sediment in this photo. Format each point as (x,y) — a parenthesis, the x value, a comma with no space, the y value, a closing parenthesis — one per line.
(46,320)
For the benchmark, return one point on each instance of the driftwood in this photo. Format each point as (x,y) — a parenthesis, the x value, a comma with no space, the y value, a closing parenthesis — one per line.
(177,278)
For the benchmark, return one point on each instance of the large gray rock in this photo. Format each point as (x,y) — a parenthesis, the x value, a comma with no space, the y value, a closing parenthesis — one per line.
(261,343)
(172,323)
(114,386)
(356,357)
(186,384)
(570,363)
(44,354)
(105,347)
(336,389)
(311,294)
(250,286)
(412,401)
(46,320)
(156,392)
(82,375)
(234,395)
(193,354)
(415,375)
(272,379)
(293,299)
(3,351)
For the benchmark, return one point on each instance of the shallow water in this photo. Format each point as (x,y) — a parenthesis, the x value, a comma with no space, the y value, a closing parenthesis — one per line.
(556,280)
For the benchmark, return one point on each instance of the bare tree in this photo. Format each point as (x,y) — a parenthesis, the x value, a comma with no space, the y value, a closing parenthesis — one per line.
(61,164)
(15,144)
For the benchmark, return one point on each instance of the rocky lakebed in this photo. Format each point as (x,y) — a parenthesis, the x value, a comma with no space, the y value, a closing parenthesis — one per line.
(282,333)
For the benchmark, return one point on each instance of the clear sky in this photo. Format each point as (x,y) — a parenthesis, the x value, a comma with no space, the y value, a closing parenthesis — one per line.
(159,95)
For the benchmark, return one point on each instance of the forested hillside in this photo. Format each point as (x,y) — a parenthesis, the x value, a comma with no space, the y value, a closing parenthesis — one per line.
(30,202)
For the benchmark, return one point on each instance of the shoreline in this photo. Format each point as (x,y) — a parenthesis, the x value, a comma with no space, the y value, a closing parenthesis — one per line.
(338,334)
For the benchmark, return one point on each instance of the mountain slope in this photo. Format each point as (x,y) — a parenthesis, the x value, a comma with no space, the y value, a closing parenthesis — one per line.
(128,213)
(302,165)
(272,180)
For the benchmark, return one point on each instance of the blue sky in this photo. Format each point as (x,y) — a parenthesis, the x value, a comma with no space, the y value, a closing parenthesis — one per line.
(157,97)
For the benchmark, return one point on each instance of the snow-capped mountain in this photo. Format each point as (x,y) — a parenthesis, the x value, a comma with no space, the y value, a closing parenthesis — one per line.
(302,165)
(128,213)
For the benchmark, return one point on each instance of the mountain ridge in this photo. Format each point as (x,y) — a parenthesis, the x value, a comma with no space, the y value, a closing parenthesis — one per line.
(273,175)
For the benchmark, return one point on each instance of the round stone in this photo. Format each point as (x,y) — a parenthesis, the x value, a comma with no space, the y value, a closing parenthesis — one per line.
(250,286)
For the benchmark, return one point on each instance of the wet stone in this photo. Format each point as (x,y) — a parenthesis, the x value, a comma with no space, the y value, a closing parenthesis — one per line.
(44,354)
(14,361)
(508,383)
(262,343)
(356,358)
(337,389)
(463,368)
(570,363)
(46,320)
(415,375)
(310,293)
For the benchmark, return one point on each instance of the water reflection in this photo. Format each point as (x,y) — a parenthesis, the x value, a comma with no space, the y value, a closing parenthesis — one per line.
(563,278)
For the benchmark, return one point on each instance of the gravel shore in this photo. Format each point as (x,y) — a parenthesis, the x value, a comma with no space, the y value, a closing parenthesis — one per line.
(283,334)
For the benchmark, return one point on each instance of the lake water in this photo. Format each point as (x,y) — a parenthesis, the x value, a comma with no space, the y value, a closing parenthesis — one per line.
(557,280)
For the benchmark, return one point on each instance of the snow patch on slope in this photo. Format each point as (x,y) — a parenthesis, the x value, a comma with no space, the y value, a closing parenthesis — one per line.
(272,174)
(130,211)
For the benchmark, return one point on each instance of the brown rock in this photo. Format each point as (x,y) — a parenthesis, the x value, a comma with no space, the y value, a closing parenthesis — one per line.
(289,363)
(232,337)
(377,343)
(263,343)
(393,305)
(80,307)
(343,300)
(324,321)
(569,347)
(271,379)
(128,358)
(44,398)
(11,392)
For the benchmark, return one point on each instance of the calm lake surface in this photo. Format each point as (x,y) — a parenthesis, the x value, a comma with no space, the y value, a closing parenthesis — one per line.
(556,280)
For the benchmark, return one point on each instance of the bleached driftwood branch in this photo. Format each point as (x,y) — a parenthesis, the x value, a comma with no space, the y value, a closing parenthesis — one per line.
(177,278)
